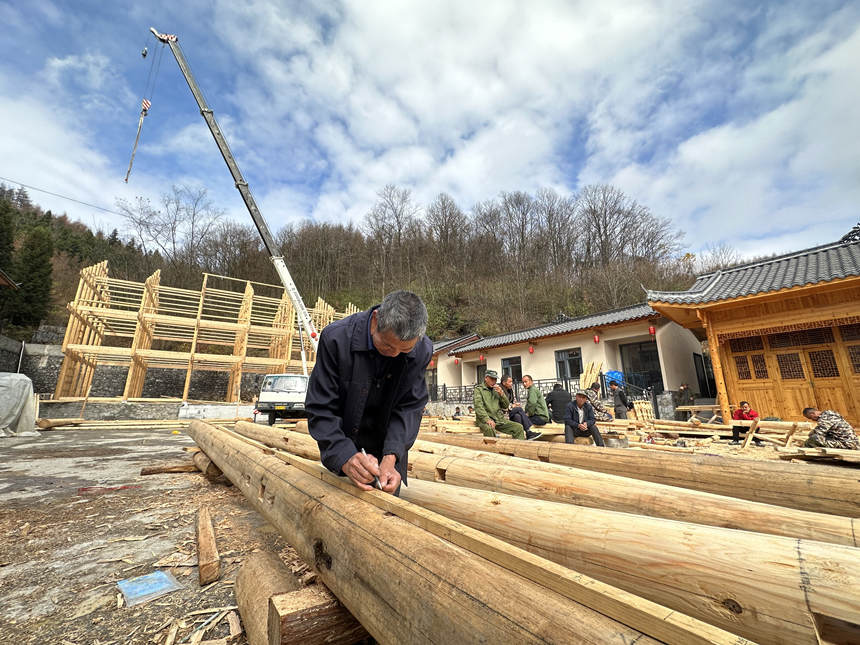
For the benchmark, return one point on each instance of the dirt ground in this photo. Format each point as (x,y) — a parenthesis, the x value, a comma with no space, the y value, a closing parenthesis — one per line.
(76,517)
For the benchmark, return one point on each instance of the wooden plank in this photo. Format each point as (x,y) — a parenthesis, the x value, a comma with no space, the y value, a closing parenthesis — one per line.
(750,434)
(406,584)
(829,490)
(775,582)
(503,473)
(312,616)
(208,560)
(184,467)
(46,424)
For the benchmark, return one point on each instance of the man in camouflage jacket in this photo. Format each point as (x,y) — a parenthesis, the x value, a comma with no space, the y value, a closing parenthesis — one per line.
(832,430)
(600,412)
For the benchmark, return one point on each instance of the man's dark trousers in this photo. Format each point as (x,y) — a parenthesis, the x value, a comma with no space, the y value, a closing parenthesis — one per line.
(572,431)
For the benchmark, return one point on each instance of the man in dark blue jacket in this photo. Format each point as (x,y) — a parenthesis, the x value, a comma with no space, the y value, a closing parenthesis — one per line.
(367,391)
(579,420)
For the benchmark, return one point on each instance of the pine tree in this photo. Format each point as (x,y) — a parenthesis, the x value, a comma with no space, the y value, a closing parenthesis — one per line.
(7,247)
(34,271)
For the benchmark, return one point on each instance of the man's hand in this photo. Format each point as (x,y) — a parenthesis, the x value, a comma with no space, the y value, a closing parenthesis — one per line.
(389,478)
(491,423)
(582,426)
(361,469)
(498,389)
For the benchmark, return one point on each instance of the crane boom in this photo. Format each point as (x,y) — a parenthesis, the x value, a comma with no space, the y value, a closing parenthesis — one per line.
(268,241)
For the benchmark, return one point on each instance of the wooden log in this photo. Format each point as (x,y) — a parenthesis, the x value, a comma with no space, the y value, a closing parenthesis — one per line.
(47,424)
(205,465)
(774,583)
(208,560)
(261,576)
(827,490)
(750,434)
(182,467)
(654,446)
(311,616)
(488,471)
(401,582)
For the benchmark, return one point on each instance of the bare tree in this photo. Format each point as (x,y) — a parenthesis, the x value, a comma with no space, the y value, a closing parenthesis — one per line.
(717,256)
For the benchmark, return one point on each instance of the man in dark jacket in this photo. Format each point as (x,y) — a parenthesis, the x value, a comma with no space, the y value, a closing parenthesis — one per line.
(579,420)
(367,391)
(557,401)
(619,400)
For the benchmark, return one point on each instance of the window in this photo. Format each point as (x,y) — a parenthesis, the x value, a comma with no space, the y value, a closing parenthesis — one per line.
(790,366)
(818,336)
(823,364)
(743,367)
(759,365)
(751,344)
(514,367)
(568,363)
(285,383)
(850,332)
(854,354)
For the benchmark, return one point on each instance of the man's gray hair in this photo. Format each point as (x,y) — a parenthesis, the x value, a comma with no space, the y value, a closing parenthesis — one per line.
(403,313)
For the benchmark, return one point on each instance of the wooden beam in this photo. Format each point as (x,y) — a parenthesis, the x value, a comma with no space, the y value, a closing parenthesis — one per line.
(774,583)
(717,365)
(183,467)
(46,424)
(750,434)
(261,576)
(208,560)
(829,490)
(443,592)
(311,616)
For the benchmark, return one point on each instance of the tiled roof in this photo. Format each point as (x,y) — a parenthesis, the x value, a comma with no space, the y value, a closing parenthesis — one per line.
(624,314)
(450,343)
(810,266)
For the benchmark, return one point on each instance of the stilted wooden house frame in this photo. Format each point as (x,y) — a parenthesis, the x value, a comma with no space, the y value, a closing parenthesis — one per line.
(226,326)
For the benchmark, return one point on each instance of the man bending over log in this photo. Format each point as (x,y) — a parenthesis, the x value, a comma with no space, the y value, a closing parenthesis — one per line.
(832,430)
(367,391)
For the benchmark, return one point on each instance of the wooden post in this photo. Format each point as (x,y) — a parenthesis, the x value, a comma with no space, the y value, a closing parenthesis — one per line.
(194,336)
(208,560)
(750,434)
(488,471)
(405,584)
(717,365)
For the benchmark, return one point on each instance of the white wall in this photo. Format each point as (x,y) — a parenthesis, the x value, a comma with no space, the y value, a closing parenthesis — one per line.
(677,346)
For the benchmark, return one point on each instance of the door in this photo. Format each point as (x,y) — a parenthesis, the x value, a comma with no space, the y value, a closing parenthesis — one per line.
(480,371)
(641,365)
(827,382)
(794,381)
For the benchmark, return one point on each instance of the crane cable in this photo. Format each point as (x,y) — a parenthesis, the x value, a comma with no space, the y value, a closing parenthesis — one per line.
(146,103)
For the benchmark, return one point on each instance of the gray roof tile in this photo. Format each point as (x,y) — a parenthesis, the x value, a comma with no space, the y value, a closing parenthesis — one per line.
(810,266)
(624,314)
(448,343)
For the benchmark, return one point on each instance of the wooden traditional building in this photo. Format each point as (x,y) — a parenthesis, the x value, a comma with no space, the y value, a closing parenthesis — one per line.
(783,333)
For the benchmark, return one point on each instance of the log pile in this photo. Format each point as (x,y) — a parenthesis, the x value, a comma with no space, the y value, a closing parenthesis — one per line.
(598,555)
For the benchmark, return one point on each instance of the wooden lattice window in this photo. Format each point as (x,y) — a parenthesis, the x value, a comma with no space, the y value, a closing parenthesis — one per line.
(790,366)
(823,364)
(850,332)
(854,355)
(743,367)
(750,344)
(820,336)
(759,365)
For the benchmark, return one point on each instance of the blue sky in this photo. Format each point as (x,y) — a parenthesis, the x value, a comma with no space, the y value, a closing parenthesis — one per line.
(736,120)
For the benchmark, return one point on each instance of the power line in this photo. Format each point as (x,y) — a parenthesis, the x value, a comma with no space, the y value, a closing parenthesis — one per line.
(71,199)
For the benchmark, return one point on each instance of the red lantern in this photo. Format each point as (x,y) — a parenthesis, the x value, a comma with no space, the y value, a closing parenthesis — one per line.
(652,330)
(596,339)
(456,361)
(481,358)
(531,349)
(432,362)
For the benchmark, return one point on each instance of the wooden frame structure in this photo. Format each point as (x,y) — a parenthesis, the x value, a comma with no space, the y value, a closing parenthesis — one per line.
(229,325)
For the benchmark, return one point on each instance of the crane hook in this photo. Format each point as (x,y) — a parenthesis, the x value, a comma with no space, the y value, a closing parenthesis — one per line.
(144,52)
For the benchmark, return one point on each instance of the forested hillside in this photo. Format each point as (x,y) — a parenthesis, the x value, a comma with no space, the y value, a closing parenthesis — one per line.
(514,261)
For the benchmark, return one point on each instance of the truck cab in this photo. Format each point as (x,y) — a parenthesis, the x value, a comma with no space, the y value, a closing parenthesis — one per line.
(283,396)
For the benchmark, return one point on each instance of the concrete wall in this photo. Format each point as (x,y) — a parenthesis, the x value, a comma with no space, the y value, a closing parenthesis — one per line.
(676,346)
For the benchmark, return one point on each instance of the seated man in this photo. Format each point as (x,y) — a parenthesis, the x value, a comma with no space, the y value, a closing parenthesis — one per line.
(490,409)
(457,414)
(515,410)
(593,394)
(832,430)
(743,413)
(536,410)
(557,401)
(579,420)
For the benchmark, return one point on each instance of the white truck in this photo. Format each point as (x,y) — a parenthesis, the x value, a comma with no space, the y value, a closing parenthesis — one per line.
(282,396)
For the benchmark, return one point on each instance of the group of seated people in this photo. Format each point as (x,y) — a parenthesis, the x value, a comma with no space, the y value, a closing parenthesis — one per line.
(498,410)
(831,430)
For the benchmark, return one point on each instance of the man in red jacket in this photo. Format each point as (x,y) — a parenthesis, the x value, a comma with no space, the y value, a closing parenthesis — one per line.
(743,413)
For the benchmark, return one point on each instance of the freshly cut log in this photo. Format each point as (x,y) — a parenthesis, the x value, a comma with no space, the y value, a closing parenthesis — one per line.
(488,471)
(311,616)
(261,576)
(774,583)
(826,490)
(402,583)
(208,560)
(182,467)
(651,618)
(47,424)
